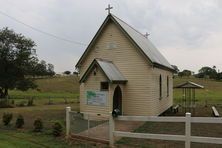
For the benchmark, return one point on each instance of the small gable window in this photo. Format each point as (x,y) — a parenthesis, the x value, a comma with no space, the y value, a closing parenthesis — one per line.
(167,86)
(104,86)
(160,86)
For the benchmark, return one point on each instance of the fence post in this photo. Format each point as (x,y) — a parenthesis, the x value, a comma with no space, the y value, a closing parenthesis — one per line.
(111,130)
(68,109)
(188,130)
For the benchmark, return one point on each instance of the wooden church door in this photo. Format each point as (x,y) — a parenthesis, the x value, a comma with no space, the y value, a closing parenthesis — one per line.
(117,99)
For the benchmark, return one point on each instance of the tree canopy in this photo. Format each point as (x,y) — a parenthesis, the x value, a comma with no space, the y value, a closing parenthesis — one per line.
(208,72)
(19,62)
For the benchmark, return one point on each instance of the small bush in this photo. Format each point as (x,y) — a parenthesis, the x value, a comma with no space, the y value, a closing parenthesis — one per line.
(12,102)
(38,125)
(21,104)
(7,118)
(19,121)
(30,102)
(4,103)
(57,129)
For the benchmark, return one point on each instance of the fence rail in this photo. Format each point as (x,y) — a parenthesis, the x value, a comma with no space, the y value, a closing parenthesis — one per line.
(187,138)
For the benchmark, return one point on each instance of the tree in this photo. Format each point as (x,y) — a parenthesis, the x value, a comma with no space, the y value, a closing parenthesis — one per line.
(18,62)
(67,72)
(176,68)
(208,72)
(185,73)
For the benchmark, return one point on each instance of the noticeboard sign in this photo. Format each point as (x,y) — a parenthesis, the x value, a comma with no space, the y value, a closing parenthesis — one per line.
(98,98)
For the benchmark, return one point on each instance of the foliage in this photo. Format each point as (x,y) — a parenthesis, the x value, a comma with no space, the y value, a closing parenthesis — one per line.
(7,118)
(57,129)
(67,72)
(21,104)
(4,103)
(18,62)
(19,121)
(185,72)
(176,68)
(38,125)
(30,102)
(208,72)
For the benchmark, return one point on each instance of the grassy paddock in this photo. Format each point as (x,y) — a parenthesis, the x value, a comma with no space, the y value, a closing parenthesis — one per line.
(53,90)
(212,93)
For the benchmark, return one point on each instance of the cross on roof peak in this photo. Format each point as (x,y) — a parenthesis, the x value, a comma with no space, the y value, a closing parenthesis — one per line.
(109,8)
(146,35)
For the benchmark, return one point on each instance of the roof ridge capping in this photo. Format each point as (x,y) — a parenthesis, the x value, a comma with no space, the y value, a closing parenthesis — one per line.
(138,39)
(128,25)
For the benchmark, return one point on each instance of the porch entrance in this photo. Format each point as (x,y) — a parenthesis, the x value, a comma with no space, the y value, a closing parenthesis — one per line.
(117,99)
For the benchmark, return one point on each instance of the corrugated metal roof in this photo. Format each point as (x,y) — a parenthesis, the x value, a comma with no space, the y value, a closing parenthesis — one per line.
(144,43)
(189,84)
(109,69)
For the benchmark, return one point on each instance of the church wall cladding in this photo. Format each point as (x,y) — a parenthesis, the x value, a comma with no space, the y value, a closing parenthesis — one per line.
(93,84)
(141,92)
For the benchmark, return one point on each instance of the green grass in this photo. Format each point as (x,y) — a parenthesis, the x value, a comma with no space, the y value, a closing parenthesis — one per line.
(212,91)
(21,139)
(55,86)
(55,90)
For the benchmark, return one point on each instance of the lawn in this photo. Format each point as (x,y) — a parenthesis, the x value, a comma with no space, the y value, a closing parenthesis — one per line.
(27,139)
(48,113)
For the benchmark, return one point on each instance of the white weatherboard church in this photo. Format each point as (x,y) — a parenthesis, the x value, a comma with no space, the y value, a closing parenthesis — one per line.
(121,69)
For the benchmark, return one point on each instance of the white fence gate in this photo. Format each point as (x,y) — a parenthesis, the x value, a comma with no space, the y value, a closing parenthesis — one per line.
(187,138)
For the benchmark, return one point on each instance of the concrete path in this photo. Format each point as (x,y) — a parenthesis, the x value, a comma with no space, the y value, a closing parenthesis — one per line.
(102,131)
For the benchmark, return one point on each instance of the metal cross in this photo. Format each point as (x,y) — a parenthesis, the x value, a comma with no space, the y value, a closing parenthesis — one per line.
(146,35)
(109,8)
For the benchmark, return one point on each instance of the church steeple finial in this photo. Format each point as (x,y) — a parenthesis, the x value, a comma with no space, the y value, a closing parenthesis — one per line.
(109,8)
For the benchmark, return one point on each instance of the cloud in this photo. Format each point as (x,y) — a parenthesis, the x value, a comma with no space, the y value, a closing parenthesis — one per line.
(187,32)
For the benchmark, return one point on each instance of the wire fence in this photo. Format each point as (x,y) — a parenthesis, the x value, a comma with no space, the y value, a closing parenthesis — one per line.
(93,126)
(29,100)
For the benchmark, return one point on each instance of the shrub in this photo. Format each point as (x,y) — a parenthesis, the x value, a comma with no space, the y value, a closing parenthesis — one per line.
(21,104)
(57,129)
(38,125)
(4,103)
(19,121)
(7,118)
(12,102)
(30,102)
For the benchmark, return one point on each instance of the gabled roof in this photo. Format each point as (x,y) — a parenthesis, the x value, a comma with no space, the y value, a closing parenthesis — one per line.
(109,70)
(189,84)
(143,43)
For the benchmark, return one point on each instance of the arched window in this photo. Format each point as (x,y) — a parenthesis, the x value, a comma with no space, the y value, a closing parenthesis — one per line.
(167,86)
(160,86)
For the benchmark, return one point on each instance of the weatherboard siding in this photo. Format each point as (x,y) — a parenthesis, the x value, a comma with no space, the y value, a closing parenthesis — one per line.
(92,83)
(139,93)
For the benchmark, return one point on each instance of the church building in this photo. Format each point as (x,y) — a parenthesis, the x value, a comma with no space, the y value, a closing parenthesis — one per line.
(121,69)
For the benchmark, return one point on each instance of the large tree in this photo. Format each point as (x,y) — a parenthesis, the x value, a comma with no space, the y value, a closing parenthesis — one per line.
(206,71)
(18,62)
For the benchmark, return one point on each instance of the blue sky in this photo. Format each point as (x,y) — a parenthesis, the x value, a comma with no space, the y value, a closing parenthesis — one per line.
(187,32)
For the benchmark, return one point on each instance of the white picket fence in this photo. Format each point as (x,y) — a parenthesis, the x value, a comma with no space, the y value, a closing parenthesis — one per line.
(187,138)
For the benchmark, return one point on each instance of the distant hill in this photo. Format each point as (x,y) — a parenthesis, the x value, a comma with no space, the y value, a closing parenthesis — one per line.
(59,84)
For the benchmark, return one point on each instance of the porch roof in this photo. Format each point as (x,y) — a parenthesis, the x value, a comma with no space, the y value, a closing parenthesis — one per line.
(108,68)
(190,84)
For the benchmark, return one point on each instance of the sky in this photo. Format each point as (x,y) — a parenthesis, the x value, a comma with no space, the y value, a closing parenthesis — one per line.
(187,32)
